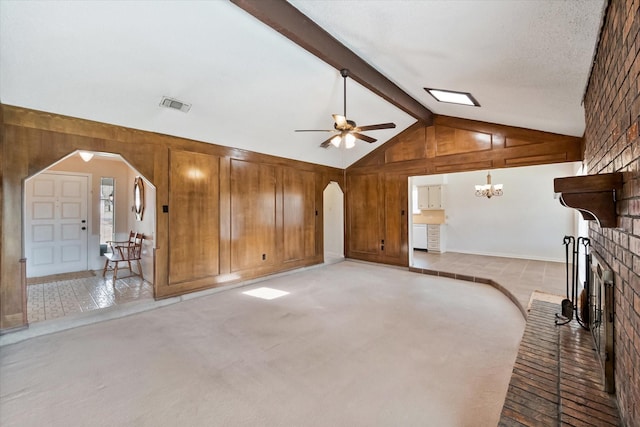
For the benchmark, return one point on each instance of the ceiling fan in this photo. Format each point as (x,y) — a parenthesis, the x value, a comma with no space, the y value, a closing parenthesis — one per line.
(346,130)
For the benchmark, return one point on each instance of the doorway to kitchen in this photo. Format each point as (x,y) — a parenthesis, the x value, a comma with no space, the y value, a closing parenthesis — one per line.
(428,219)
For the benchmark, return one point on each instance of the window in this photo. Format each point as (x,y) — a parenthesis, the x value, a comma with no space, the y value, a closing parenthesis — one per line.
(107,212)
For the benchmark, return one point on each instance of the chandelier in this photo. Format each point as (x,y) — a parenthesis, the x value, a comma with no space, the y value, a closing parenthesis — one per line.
(488,190)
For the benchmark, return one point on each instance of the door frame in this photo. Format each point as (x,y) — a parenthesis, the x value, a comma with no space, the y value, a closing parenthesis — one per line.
(87,196)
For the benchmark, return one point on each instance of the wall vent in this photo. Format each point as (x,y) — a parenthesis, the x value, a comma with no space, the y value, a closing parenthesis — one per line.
(174,104)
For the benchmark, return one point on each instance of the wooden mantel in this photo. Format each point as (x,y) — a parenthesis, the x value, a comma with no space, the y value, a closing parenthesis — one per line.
(593,195)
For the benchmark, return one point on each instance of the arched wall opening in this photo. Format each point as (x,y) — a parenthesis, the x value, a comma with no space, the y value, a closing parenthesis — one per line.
(101,165)
(333,213)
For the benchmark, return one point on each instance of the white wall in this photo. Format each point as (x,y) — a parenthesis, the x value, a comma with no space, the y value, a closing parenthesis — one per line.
(147,225)
(526,222)
(333,202)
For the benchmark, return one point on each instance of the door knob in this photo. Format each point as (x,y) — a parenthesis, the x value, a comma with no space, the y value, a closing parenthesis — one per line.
(84,228)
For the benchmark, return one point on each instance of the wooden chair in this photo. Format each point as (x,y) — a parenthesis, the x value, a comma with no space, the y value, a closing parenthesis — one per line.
(126,251)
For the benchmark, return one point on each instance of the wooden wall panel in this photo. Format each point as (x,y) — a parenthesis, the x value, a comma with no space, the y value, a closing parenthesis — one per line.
(542,159)
(13,287)
(395,219)
(465,166)
(253,215)
(363,193)
(377,217)
(515,142)
(298,214)
(457,141)
(193,216)
(454,144)
(408,146)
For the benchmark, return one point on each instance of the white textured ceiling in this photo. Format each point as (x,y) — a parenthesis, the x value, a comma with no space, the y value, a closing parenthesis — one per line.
(526,62)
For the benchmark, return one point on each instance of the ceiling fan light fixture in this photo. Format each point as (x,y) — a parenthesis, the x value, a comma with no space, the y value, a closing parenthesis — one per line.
(335,141)
(453,97)
(349,141)
(345,127)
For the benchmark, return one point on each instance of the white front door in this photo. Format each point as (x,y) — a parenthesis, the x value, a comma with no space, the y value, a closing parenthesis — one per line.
(56,229)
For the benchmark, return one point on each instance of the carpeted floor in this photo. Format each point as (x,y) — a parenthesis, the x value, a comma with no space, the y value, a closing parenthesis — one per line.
(352,344)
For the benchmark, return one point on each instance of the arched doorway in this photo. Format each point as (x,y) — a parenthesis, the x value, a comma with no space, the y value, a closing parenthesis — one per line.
(67,201)
(333,202)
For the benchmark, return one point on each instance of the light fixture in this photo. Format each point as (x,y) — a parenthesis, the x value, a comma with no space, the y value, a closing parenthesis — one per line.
(86,156)
(349,141)
(453,97)
(335,141)
(488,190)
(346,137)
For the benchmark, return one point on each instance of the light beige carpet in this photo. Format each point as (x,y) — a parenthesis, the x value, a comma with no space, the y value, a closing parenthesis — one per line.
(352,344)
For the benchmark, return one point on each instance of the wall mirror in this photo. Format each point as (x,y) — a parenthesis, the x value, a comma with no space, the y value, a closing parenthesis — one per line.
(138,198)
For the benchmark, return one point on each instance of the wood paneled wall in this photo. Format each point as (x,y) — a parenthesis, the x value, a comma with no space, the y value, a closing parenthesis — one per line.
(233,215)
(223,214)
(194,215)
(377,185)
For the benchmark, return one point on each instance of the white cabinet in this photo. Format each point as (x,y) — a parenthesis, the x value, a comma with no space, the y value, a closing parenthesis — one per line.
(430,197)
(435,238)
(429,236)
(420,240)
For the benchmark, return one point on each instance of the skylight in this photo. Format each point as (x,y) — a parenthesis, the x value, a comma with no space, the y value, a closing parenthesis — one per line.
(452,97)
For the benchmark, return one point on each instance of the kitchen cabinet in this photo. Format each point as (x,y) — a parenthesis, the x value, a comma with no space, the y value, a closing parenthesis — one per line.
(436,238)
(430,197)
(420,240)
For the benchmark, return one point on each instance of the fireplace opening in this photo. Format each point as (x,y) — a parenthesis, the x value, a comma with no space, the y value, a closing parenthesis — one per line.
(601,317)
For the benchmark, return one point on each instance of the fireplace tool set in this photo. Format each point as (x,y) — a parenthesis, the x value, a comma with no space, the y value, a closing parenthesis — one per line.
(569,305)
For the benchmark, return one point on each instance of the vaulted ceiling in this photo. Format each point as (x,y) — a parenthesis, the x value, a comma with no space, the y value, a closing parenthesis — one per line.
(250,87)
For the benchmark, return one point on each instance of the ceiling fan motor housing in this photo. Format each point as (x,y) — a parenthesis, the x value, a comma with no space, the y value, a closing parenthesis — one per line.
(349,126)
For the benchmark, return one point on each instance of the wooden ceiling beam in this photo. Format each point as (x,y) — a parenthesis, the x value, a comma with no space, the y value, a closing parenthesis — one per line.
(297,27)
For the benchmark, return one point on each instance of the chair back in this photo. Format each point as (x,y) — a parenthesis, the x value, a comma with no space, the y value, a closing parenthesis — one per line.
(132,249)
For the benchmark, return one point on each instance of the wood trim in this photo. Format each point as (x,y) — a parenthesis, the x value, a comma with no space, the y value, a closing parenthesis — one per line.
(594,196)
(297,27)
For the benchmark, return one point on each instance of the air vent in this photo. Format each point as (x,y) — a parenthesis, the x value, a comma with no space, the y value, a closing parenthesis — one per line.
(174,104)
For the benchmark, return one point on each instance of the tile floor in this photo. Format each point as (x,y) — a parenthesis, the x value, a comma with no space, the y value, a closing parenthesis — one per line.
(57,299)
(521,277)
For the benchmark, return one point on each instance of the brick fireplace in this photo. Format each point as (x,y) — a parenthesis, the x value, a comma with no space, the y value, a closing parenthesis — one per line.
(612,144)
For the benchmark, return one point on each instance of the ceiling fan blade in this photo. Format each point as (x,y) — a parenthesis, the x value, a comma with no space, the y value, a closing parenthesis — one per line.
(327,143)
(363,137)
(314,130)
(341,121)
(375,127)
